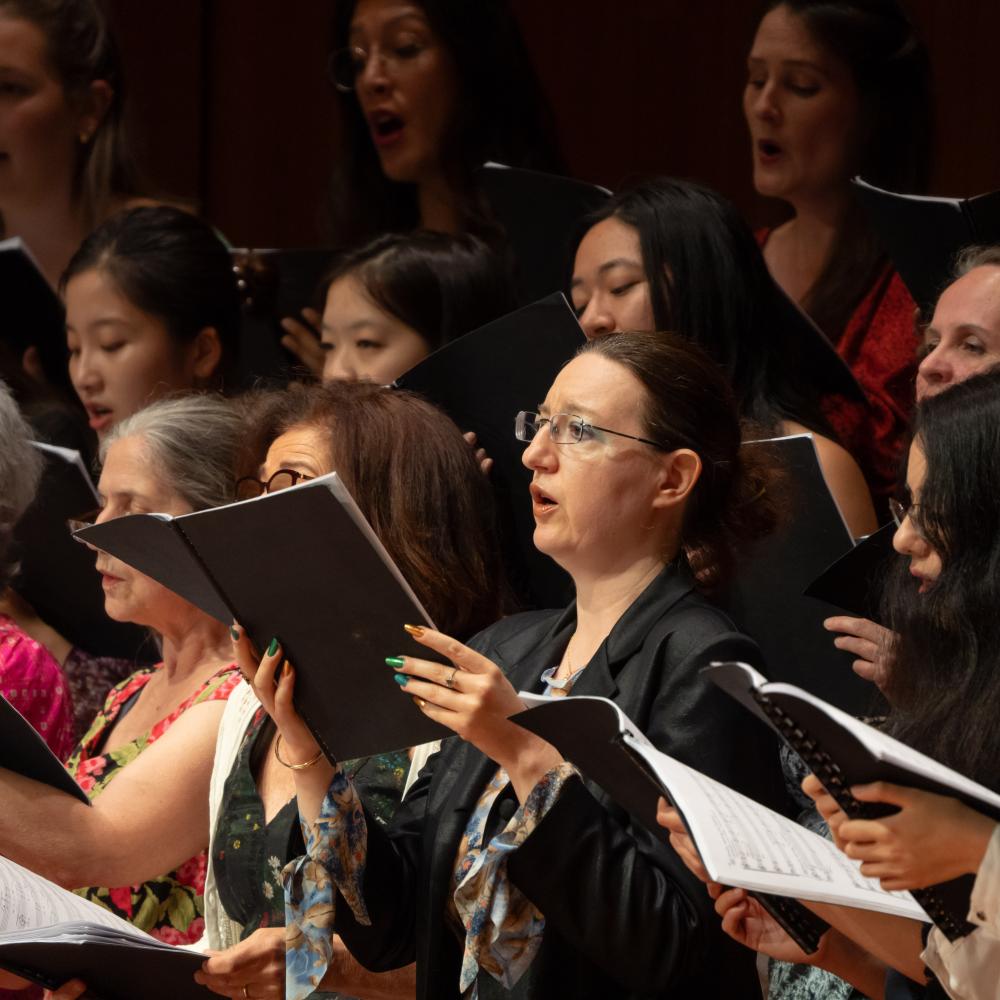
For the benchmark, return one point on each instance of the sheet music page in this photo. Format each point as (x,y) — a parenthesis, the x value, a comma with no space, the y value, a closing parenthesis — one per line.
(745,844)
(28,901)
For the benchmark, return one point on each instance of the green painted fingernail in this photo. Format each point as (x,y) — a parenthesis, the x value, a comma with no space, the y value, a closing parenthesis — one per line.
(273,648)
(393,661)
(400,679)
(234,632)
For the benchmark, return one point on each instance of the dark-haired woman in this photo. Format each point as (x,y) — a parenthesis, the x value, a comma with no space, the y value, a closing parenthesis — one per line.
(503,867)
(66,164)
(670,255)
(836,90)
(402,296)
(430,90)
(151,309)
(943,689)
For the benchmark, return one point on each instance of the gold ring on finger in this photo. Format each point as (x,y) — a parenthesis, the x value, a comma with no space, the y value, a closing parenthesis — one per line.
(449,681)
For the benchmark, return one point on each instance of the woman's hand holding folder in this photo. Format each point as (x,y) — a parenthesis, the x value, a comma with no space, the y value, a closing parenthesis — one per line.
(932,839)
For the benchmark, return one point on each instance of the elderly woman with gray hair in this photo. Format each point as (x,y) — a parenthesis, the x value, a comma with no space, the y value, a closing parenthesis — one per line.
(146,760)
(30,679)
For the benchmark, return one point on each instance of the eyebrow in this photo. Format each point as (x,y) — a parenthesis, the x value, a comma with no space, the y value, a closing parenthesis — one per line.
(392,22)
(359,324)
(104,321)
(610,265)
(979,331)
(753,61)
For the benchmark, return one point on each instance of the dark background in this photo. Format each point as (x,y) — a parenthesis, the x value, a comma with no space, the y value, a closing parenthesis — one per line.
(230,108)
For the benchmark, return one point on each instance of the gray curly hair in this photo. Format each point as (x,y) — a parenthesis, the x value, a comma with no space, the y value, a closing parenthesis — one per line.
(20,470)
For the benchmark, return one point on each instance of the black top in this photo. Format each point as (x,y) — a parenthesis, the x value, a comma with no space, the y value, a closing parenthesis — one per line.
(624,918)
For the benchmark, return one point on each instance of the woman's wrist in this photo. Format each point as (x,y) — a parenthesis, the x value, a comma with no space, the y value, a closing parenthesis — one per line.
(527,761)
(852,963)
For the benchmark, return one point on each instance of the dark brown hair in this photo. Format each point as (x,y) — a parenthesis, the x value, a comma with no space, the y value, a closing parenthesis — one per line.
(877,41)
(415,479)
(689,404)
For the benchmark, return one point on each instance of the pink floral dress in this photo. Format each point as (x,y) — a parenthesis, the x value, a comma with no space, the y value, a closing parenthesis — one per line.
(170,907)
(33,682)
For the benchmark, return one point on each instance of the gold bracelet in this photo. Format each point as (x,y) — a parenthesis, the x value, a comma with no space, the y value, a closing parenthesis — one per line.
(294,767)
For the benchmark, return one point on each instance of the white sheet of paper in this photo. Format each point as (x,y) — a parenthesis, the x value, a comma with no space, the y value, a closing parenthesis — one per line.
(28,901)
(745,844)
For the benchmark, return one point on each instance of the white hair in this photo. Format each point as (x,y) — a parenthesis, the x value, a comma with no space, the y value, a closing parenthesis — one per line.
(20,470)
(192,441)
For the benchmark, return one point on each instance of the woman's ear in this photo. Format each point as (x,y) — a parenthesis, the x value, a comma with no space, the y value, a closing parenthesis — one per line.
(94,106)
(206,354)
(681,470)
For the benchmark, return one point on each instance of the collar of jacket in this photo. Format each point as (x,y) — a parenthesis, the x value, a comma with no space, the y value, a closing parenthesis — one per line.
(525,654)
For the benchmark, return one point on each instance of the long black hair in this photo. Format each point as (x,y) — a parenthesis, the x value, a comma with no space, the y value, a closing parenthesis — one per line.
(944,682)
(877,41)
(709,283)
(172,265)
(439,285)
(502,115)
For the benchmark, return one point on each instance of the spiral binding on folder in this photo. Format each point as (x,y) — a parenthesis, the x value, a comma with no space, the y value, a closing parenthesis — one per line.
(830,774)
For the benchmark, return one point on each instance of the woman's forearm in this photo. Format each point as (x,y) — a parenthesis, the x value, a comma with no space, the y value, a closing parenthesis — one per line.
(347,976)
(855,965)
(896,941)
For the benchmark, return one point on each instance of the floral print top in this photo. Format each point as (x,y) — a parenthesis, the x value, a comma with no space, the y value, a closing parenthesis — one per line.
(250,852)
(502,929)
(32,681)
(169,907)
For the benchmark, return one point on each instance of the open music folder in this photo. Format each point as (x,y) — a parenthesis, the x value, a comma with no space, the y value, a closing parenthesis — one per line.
(302,565)
(843,751)
(741,842)
(49,935)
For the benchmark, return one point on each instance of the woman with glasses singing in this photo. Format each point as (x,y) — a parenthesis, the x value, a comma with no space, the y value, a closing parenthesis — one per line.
(503,871)
(146,758)
(429,90)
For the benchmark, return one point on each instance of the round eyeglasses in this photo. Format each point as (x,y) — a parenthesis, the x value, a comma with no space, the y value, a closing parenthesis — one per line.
(249,486)
(344,66)
(567,428)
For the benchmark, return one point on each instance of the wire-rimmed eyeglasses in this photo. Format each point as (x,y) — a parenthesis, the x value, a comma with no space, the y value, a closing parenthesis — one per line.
(567,428)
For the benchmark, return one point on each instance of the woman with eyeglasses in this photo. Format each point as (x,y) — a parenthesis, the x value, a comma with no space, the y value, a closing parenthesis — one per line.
(139,849)
(503,870)
(943,688)
(418,484)
(429,90)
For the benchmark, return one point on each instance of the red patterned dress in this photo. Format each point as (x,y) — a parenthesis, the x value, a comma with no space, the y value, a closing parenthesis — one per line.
(169,907)
(879,345)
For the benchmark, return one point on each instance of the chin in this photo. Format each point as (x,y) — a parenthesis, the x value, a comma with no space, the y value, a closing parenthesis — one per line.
(400,170)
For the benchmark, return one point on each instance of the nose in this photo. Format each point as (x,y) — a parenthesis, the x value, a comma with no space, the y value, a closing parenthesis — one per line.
(597,319)
(907,541)
(340,365)
(541,454)
(84,372)
(764,103)
(934,373)
(373,79)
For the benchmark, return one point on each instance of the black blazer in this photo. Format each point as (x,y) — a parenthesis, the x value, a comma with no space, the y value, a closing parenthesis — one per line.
(623,917)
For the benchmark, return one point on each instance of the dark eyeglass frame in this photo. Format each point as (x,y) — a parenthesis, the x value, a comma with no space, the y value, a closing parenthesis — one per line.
(260,487)
(521,425)
(901,510)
